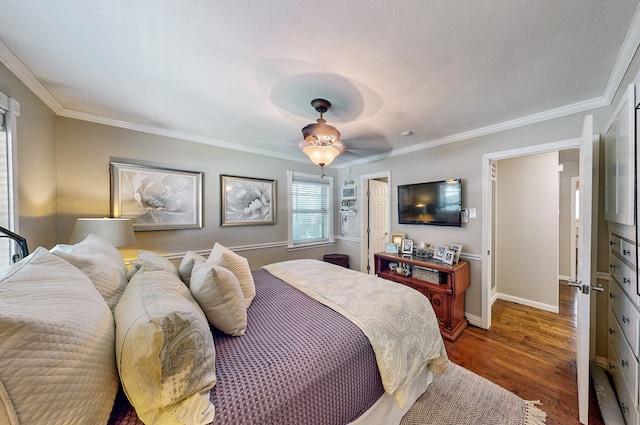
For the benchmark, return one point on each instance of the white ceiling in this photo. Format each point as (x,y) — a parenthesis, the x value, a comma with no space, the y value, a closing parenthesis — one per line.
(242,73)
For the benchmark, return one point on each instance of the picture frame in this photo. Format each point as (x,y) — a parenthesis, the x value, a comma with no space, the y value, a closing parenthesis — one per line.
(407,246)
(247,201)
(448,257)
(156,198)
(391,248)
(457,248)
(397,238)
(439,253)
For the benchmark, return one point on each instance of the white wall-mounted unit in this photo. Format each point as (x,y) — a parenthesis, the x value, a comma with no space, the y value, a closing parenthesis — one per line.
(619,149)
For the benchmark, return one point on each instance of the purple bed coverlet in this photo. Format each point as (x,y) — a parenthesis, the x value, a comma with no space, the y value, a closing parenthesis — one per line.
(281,371)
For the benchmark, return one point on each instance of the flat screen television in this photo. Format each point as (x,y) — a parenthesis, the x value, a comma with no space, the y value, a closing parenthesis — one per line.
(437,203)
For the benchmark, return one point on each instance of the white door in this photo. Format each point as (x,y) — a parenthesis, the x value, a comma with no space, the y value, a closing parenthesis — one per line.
(587,246)
(378,219)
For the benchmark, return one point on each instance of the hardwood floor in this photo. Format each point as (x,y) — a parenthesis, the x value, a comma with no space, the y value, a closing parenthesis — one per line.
(532,353)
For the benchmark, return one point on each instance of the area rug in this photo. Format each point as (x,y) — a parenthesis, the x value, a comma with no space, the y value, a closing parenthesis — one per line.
(460,397)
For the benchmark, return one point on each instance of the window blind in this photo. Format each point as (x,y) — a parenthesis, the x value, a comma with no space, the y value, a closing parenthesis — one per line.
(310,210)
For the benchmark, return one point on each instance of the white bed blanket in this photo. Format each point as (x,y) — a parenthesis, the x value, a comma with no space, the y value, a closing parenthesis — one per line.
(399,321)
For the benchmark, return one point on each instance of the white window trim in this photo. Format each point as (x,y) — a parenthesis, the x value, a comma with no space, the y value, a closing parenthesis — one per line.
(12,111)
(290,245)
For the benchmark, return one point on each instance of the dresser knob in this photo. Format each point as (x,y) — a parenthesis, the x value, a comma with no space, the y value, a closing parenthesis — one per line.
(437,302)
(611,331)
(624,363)
(626,252)
(625,319)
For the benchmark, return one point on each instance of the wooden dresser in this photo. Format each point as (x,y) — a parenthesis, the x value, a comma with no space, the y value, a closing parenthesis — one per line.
(624,295)
(445,288)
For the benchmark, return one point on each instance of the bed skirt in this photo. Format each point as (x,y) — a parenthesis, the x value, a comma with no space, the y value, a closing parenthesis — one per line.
(386,410)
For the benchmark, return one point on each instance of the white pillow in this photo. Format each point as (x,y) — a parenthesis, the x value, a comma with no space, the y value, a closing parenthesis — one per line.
(186,265)
(238,265)
(94,244)
(218,292)
(56,344)
(164,350)
(108,279)
(154,261)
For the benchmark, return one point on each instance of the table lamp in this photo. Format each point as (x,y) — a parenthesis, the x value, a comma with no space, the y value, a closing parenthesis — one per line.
(117,231)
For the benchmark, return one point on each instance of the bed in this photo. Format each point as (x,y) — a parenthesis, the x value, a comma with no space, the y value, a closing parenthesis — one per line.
(296,354)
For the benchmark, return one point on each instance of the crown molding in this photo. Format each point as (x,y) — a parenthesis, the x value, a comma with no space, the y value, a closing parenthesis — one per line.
(173,134)
(20,70)
(625,56)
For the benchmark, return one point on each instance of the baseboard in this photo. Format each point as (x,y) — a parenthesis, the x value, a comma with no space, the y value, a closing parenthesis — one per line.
(529,303)
(474,320)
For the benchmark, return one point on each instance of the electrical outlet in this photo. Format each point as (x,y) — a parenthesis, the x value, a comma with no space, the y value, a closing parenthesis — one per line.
(472,213)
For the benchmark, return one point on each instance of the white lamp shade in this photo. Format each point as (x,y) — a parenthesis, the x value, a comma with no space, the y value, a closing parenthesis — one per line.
(117,231)
(321,155)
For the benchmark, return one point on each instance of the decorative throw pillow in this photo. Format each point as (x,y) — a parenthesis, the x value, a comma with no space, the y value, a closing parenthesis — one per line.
(218,292)
(56,345)
(94,244)
(186,265)
(238,265)
(154,261)
(164,350)
(108,279)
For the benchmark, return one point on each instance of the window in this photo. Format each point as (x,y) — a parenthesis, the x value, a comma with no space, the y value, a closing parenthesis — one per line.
(310,209)
(8,113)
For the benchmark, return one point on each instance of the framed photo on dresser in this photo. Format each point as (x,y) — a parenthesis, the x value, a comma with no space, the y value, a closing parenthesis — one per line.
(407,246)
(439,254)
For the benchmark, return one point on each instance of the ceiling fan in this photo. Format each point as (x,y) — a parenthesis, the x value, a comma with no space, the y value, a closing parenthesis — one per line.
(321,140)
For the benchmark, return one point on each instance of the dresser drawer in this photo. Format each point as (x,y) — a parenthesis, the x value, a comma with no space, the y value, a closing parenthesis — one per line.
(625,277)
(627,361)
(625,248)
(627,316)
(626,400)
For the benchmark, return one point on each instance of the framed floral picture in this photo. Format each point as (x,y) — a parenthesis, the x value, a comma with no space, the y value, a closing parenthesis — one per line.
(156,198)
(247,201)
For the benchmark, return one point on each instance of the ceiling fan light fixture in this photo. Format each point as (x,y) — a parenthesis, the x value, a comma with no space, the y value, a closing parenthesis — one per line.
(321,132)
(321,137)
(321,155)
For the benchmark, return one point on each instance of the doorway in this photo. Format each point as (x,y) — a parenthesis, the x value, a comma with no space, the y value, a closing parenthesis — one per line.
(588,171)
(376,199)
(490,221)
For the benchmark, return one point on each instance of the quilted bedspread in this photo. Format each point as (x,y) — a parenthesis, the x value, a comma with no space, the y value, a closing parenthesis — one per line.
(399,321)
(300,362)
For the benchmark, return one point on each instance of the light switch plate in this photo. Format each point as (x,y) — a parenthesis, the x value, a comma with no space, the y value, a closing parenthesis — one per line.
(472,213)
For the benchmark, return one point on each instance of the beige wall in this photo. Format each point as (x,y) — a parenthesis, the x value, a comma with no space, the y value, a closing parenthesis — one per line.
(464,160)
(85,150)
(37,167)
